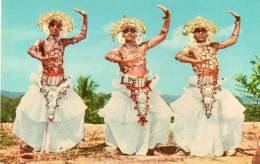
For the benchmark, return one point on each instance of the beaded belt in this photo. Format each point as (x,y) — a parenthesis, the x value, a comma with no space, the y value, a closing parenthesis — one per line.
(137,82)
(203,80)
(60,73)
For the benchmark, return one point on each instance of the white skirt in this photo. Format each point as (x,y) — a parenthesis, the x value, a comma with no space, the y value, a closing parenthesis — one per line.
(31,123)
(122,129)
(199,135)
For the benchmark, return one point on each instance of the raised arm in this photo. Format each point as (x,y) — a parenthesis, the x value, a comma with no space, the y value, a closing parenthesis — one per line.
(83,32)
(159,38)
(233,39)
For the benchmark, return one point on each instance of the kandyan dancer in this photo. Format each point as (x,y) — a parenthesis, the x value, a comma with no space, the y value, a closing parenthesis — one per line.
(136,117)
(208,120)
(50,116)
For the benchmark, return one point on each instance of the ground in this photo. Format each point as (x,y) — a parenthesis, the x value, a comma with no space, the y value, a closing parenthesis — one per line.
(92,150)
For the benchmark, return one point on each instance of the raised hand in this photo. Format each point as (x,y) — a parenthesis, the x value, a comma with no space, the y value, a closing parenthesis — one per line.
(237,16)
(81,12)
(164,9)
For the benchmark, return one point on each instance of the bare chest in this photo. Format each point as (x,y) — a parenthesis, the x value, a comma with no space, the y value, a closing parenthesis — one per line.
(205,53)
(209,55)
(133,52)
(53,48)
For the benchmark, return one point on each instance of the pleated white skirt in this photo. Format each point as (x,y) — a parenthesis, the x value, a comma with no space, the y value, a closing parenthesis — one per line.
(64,132)
(122,129)
(199,135)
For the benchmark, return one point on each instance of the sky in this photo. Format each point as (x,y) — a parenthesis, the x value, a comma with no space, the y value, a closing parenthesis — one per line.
(19,31)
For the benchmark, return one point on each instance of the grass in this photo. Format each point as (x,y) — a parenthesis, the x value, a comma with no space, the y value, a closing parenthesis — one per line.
(6,140)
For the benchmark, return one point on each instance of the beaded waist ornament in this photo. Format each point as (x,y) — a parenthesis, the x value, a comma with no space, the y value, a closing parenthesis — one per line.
(208,88)
(140,95)
(52,95)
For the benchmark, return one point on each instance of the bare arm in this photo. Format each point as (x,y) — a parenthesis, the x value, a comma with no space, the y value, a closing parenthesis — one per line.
(159,38)
(83,32)
(184,57)
(233,39)
(35,52)
(113,56)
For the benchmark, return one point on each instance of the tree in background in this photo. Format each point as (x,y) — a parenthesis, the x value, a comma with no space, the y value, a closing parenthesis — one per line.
(8,108)
(249,86)
(86,88)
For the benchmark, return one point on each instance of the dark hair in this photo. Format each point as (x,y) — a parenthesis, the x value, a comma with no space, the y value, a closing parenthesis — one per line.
(52,22)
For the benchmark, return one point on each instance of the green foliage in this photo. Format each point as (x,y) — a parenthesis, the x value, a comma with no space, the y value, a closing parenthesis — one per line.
(86,89)
(249,86)
(5,140)
(252,112)
(8,108)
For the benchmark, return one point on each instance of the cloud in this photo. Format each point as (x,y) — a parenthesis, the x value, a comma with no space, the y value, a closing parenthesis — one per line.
(19,34)
(107,26)
(14,64)
(22,34)
(176,39)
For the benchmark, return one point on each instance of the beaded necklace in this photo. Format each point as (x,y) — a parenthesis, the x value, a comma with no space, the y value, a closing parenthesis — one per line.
(55,49)
(208,84)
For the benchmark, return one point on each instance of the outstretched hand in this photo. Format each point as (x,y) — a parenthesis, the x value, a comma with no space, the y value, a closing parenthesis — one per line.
(81,12)
(237,16)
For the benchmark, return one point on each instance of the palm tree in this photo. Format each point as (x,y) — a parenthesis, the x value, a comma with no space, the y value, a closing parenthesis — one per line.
(249,86)
(86,89)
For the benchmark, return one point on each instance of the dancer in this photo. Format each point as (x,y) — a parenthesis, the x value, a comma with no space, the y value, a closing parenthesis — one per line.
(136,117)
(208,120)
(50,116)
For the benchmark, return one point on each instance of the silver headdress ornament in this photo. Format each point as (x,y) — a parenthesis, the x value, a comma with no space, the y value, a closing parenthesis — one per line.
(125,22)
(66,21)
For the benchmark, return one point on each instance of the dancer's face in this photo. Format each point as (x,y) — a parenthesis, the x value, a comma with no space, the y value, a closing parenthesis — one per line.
(200,34)
(129,34)
(55,28)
